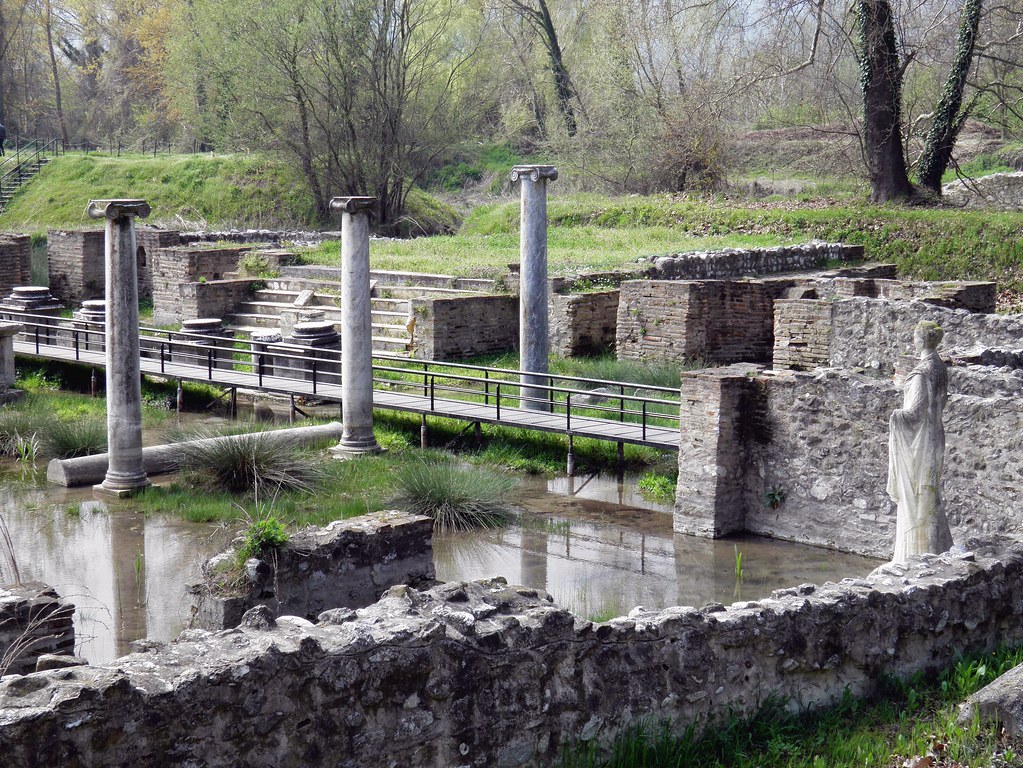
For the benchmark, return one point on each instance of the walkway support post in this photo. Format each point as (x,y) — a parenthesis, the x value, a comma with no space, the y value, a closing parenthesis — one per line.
(126,474)
(534,344)
(356,329)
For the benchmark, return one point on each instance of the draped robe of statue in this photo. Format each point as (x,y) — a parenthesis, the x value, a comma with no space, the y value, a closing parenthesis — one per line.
(916,455)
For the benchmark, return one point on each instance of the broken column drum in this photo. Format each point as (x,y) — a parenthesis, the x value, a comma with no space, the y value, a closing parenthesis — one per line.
(90,320)
(534,343)
(216,351)
(36,307)
(356,328)
(320,349)
(263,345)
(126,474)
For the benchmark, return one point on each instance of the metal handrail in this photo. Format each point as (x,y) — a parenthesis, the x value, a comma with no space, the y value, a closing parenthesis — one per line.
(429,379)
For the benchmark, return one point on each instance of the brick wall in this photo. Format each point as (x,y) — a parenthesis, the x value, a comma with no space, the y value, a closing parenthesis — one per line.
(713,320)
(802,334)
(76,264)
(178,293)
(147,240)
(456,328)
(873,333)
(583,323)
(15,261)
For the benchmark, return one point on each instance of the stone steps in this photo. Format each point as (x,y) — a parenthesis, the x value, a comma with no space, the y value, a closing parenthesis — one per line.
(266,308)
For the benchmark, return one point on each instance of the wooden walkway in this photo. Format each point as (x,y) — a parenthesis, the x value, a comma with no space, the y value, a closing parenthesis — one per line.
(663,438)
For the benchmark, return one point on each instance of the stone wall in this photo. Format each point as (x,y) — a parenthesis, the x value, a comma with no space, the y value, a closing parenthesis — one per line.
(33,621)
(583,323)
(740,262)
(15,261)
(998,190)
(823,439)
(216,298)
(191,282)
(464,326)
(873,333)
(348,564)
(147,241)
(483,674)
(718,321)
(76,264)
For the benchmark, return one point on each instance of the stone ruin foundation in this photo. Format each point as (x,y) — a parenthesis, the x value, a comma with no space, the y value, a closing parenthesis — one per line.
(34,621)
(485,673)
(347,564)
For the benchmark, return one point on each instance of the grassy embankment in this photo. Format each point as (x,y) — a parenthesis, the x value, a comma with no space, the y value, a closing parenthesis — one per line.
(591,232)
(588,232)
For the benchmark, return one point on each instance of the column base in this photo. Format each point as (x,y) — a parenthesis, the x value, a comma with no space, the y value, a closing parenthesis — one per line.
(121,490)
(344,451)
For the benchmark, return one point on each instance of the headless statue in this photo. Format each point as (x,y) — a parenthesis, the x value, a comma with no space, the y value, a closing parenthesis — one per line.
(916,453)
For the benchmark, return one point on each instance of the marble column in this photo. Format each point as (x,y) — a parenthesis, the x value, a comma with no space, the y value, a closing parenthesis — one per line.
(356,329)
(533,323)
(126,474)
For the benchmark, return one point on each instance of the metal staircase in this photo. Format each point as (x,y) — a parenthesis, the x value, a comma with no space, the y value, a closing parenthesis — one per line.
(21,163)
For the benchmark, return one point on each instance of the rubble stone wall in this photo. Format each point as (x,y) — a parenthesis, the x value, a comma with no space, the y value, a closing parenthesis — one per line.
(822,438)
(483,674)
(873,333)
(741,262)
(348,564)
(583,323)
(997,190)
(33,621)
(464,326)
(76,265)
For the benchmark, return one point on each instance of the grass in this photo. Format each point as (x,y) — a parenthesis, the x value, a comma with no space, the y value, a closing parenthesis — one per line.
(592,232)
(657,487)
(58,424)
(256,190)
(253,462)
(910,718)
(458,498)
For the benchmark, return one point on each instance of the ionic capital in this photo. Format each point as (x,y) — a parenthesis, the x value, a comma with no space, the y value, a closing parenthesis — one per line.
(117,209)
(353,204)
(534,172)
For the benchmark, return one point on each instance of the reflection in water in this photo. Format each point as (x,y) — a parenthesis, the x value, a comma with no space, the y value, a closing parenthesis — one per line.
(593,543)
(125,573)
(600,559)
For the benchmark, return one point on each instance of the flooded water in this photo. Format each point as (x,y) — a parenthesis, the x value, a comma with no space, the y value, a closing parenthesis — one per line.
(594,544)
(601,549)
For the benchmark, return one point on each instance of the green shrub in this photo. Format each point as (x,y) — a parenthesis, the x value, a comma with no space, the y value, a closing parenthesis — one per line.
(263,535)
(660,488)
(456,497)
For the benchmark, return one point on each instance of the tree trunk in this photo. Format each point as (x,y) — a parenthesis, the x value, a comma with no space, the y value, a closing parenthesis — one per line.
(562,82)
(881,82)
(56,73)
(949,115)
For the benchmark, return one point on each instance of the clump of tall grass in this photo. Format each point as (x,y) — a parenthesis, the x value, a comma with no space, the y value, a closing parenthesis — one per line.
(38,426)
(456,497)
(68,438)
(258,462)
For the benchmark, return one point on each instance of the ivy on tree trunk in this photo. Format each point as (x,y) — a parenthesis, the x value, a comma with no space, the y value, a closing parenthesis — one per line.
(950,115)
(881,82)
